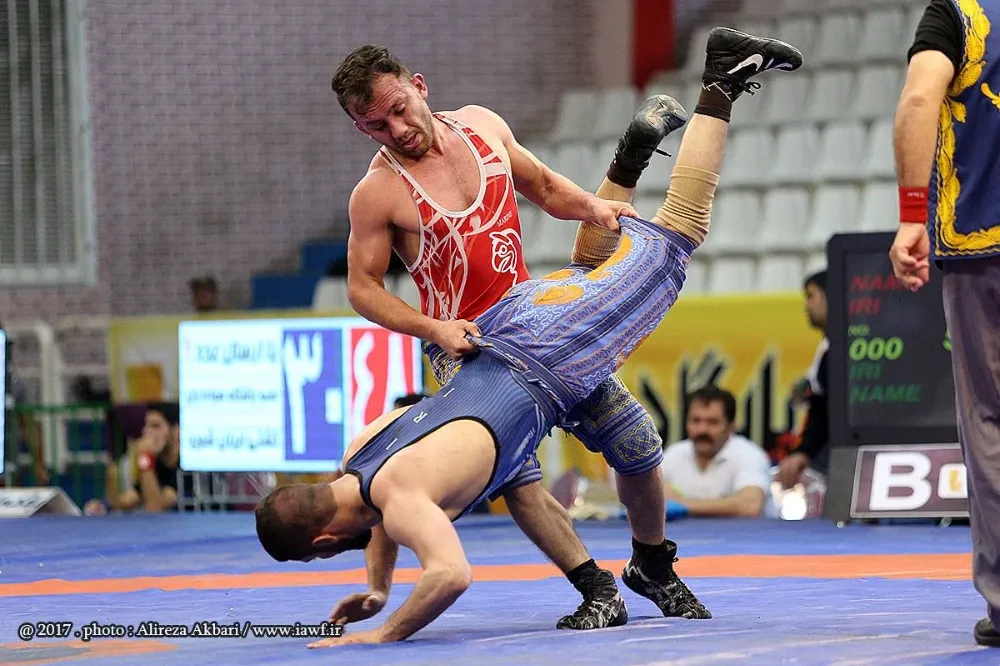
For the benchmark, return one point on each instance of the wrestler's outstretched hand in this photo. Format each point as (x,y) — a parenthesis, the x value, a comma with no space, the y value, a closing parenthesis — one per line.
(355,638)
(357,607)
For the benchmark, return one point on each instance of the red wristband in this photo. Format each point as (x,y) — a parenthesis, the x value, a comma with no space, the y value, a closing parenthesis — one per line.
(913,205)
(145,462)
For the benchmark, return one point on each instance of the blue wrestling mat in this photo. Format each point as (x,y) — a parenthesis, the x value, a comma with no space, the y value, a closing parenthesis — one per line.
(806,593)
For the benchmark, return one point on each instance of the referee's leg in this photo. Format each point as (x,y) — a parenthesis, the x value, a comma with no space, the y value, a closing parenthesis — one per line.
(971,297)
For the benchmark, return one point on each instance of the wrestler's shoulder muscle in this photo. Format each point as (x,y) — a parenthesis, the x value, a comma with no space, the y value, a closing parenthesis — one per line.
(484,121)
(378,195)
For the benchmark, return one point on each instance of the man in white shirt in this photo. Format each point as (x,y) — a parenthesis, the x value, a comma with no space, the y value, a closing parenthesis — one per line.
(715,472)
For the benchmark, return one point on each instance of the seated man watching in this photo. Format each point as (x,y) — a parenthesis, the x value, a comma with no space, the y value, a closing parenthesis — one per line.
(714,472)
(156,457)
(542,349)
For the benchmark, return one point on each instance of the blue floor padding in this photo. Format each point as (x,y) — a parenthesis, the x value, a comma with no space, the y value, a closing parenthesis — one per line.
(766,621)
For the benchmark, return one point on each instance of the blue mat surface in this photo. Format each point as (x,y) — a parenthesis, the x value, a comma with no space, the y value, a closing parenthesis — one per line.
(820,619)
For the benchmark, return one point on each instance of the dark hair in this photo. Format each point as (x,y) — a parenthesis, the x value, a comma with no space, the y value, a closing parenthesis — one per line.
(818,279)
(352,82)
(289,519)
(408,399)
(711,393)
(170,411)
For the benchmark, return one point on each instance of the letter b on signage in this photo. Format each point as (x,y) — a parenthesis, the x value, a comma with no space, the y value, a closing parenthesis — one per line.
(906,473)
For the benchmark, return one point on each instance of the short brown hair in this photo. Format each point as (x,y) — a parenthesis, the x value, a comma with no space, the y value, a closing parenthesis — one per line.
(352,82)
(290,518)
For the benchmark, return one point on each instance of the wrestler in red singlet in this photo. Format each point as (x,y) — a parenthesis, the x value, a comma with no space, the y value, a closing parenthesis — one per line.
(467,259)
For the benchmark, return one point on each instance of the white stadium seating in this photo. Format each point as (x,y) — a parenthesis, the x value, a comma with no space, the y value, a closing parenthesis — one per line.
(809,156)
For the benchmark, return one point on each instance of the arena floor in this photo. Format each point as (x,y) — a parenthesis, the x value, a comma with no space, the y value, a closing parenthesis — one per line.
(805,593)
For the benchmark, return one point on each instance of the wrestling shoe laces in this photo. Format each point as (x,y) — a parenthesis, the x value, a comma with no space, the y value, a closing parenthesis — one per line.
(602,606)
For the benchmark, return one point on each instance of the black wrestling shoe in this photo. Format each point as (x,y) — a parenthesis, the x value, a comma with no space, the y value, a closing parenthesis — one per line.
(603,605)
(733,57)
(664,587)
(986,634)
(658,116)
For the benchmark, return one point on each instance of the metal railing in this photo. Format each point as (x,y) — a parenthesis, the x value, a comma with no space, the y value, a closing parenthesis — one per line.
(78,464)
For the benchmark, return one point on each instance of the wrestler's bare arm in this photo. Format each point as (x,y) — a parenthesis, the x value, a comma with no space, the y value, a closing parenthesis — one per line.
(414,521)
(369,249)
(552,192)
(380,560)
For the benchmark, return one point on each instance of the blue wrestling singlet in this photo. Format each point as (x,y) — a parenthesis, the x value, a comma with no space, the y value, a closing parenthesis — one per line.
(574,328)
(486,390)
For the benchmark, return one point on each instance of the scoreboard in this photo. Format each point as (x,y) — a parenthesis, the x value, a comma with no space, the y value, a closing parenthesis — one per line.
(892,395)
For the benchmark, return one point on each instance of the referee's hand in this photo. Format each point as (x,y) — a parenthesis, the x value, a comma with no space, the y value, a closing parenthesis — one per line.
(910,256)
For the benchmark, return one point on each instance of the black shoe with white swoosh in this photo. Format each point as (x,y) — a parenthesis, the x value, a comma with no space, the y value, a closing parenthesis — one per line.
(733,57)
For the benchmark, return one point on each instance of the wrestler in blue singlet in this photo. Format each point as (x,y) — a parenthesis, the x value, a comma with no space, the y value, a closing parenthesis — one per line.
(488,391)
(545,347)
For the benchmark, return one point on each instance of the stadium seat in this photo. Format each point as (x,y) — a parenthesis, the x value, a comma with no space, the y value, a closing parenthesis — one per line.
(796,153)
(815,262)
(797,30)
(530,216)
(540,149)
(615,108)
(781,273)
(694,61)
(748,158)
(752,10)
(735,221)
(331,295)
(878,90)
(576,115)
(810,157)
(913,17)
(575,160)
(552,244)
(798,6)
(784,220)
(837,41)
(787,96)
(879,160)
(842,152)
(406,291)
(696,280)
(880,207)
(732,276)
(830,95)
(882,35)
(834,210)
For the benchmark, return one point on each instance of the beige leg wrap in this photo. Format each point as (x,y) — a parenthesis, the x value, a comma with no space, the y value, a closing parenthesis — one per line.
(594,245)
(688,206)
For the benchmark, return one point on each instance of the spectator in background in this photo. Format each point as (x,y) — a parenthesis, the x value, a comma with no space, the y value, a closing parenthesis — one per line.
(155,459)
(714,472)
(204,294)
(813,450)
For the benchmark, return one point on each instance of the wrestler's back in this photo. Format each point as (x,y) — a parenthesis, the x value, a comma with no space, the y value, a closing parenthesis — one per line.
(444,447)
